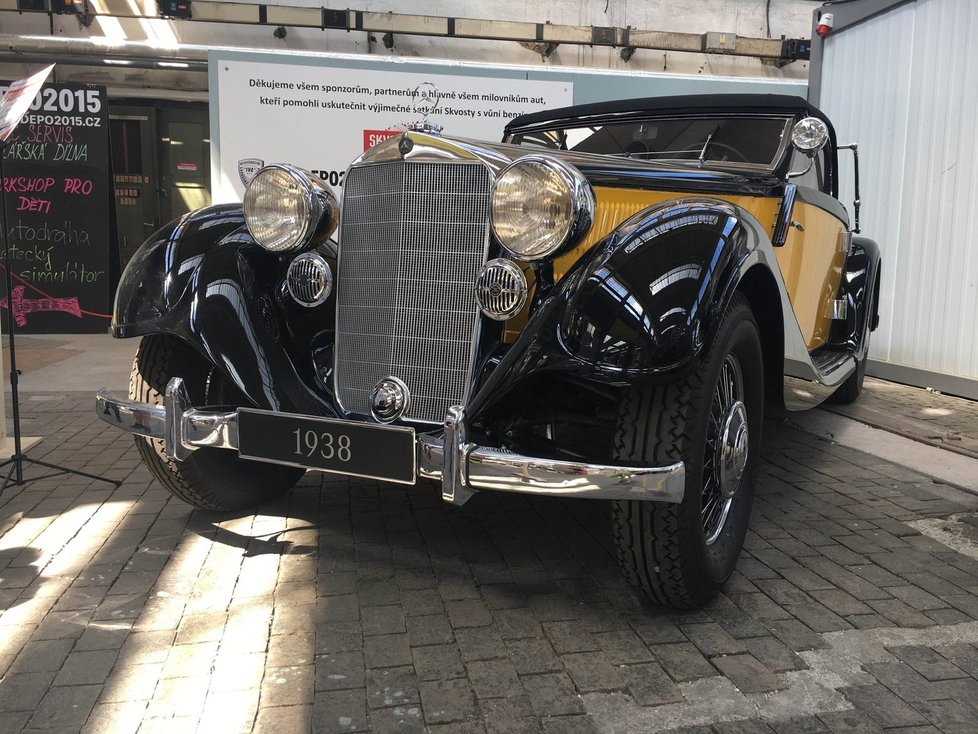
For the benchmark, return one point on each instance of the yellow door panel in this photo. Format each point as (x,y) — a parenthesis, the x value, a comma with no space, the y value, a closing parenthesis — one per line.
(811,262)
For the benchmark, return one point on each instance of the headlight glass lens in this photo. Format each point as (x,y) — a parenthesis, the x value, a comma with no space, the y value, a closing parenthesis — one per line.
(536,207)
(809,134)
(278,208)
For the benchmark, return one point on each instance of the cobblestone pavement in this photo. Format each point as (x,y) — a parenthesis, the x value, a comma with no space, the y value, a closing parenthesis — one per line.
(351,606)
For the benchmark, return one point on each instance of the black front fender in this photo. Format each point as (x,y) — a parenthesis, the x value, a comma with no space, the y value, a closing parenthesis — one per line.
(650,301)
(155,288)
(646,302)
(203,279)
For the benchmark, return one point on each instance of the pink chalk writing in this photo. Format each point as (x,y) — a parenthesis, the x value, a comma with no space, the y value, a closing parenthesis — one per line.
(49,134)
(33,204)
(78,186)
(23,306)
(27,184)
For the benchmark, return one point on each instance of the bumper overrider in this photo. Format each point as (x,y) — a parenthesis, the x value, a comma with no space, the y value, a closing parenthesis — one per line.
(445,455)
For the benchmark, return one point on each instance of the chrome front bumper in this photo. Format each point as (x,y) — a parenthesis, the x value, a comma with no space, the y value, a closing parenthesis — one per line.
(462,467)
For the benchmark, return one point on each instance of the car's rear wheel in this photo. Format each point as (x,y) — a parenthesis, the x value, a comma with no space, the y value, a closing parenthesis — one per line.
(679,555)
(211,479)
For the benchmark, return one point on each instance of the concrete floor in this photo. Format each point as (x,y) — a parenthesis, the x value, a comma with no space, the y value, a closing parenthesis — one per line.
(351,605)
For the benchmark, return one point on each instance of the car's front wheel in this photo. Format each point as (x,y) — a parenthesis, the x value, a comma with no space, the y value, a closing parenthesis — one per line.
(211,479)
(679,555)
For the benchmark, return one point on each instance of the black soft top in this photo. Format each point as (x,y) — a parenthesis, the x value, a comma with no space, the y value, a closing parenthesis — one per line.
(698,103)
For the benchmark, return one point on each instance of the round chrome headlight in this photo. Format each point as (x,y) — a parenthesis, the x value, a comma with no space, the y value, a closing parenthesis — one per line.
(540,206)
(287,208)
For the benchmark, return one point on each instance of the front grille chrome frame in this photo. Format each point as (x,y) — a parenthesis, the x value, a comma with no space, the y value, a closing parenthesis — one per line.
(418,413)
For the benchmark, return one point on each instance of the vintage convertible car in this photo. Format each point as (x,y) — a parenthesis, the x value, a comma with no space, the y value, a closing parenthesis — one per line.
(601,306)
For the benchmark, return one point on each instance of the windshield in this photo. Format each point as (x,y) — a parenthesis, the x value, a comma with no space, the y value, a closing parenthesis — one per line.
(728,141)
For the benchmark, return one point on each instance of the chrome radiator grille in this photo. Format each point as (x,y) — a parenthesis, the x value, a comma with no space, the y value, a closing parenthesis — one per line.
(413,237)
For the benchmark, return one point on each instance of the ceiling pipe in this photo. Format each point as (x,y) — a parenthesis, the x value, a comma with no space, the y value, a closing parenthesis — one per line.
(87,52)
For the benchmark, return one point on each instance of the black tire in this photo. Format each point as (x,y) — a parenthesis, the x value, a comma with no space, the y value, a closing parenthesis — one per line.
(680,555)
(211,479)
(849,391)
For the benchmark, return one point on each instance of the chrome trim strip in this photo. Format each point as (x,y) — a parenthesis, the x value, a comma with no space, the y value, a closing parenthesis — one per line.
(463,467)
(805,394)
(802,394)
(838,308)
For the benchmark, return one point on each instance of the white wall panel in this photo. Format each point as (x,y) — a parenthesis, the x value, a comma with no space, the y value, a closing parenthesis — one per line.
(896,85)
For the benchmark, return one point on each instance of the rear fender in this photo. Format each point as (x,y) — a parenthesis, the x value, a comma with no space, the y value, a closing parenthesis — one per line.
(860,290)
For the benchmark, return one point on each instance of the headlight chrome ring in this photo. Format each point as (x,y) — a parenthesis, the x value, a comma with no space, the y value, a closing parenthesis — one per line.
(540,207)
(287,208)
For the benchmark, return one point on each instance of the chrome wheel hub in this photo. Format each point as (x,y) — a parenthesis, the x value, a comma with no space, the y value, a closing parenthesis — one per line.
(733,450)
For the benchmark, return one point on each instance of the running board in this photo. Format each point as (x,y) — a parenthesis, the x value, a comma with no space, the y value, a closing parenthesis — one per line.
(808,384)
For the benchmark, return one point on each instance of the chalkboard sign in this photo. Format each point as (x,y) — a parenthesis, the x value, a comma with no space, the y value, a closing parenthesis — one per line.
(55,191)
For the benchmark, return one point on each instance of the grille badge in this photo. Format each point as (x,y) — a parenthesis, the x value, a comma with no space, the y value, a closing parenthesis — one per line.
(389,399)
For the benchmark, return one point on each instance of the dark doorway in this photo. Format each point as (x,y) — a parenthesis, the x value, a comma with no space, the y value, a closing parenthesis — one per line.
(161,166)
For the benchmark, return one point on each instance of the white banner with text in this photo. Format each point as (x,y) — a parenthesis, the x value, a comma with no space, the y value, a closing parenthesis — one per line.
(322,118)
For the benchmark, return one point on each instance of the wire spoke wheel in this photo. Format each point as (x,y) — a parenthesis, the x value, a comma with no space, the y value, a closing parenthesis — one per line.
(679,555)
(727,448)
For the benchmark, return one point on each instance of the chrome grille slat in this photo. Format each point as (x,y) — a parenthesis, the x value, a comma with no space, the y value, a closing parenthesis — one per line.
(413,237)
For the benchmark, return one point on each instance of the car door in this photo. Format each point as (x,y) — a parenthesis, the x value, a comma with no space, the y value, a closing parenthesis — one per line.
(814,251)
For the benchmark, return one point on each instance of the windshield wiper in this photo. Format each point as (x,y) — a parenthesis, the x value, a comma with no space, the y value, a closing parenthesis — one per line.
(709,138)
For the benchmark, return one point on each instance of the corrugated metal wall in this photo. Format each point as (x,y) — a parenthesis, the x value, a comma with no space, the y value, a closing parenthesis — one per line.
(899,85)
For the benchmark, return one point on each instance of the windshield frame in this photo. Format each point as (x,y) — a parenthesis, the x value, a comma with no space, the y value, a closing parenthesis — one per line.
(515,137)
